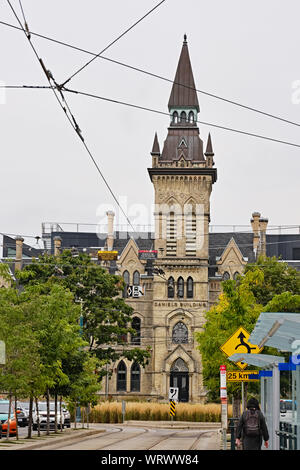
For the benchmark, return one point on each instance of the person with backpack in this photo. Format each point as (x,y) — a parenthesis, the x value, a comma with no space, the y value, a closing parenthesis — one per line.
(252,427)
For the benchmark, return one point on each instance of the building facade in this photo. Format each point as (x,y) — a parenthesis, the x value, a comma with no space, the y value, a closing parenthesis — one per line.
(180,266)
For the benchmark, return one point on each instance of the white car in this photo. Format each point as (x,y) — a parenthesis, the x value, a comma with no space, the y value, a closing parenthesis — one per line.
(67,415)
(41,416)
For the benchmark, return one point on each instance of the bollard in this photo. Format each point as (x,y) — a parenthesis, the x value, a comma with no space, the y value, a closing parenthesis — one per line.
(232,426)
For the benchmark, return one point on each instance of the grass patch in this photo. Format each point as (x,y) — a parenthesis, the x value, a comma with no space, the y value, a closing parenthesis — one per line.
(111,412)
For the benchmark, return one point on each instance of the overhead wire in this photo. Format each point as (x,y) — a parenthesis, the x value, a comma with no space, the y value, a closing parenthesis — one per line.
(65,107)
(137,69)
(113,42)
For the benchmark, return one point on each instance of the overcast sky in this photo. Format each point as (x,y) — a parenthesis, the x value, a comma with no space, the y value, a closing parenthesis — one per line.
(247,51)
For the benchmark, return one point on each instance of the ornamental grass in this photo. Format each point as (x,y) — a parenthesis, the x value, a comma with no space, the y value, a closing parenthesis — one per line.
(111,412)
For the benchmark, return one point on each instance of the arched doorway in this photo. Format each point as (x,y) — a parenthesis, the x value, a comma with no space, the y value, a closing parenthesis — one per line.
(180,378)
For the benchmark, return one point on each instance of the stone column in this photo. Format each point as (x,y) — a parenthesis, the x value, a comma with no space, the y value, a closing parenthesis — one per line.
(263,223)
(19,253)
(255,228)
(57,245)
(110,230)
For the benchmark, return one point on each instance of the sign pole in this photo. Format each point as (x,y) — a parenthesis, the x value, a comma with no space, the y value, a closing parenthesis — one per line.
(223,396)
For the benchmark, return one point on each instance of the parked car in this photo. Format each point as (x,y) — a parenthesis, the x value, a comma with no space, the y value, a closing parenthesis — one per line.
(286,411)
(67,415)
(41,416)
(5,418)
(22,413)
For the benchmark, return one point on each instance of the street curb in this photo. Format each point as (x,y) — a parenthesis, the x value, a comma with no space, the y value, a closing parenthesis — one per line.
(55,440)
(174,424)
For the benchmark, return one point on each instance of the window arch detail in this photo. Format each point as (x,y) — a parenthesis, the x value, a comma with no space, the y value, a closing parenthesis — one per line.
(171,288)
(136,325)
(180,287)
(121,377)
(180,333)
(136,278)
(190,288)
(135,377)
(126,279)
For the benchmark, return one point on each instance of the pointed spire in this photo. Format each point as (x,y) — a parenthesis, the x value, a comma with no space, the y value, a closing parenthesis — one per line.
(209,150)
(155,148)
(183,92)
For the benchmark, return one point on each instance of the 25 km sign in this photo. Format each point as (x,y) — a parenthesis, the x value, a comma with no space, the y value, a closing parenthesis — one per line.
(240,376)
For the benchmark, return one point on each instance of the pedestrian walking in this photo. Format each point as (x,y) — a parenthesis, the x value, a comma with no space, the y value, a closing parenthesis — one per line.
(252,428)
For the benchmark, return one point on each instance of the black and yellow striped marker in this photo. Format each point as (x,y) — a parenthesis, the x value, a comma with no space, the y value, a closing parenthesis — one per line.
(172,408)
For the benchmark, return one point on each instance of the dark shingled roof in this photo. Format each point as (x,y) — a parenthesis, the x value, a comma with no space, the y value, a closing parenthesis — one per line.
(184,96)
(173,148)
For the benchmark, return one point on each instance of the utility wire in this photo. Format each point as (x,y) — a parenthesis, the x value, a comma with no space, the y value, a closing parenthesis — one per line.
(65,107)
(144,108)
(113,42)
(137,69)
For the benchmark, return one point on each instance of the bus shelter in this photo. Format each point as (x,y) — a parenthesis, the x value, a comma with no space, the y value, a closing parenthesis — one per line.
(282,332)
(269,389)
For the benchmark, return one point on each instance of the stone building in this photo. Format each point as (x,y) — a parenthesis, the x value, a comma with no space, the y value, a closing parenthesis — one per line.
(180,266)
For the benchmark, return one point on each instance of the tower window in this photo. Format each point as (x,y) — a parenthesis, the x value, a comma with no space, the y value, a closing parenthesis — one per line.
(190,288)
(180,333)
(175,117)
(121,377)
(180,287)
(135,377)
(171,245)
(183,116)
(171,290)
(191,116)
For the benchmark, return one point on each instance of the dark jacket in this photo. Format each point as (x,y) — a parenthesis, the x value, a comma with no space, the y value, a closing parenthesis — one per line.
(252,442)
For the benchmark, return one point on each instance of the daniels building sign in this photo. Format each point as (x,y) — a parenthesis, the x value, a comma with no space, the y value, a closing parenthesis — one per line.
(180,304)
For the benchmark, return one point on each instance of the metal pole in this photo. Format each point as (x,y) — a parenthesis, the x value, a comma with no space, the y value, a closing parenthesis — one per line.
(276,405)
(243,398)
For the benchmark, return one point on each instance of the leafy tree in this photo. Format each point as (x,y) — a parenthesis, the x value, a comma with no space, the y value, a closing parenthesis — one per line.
(106,316)
(237,307)
(278,277)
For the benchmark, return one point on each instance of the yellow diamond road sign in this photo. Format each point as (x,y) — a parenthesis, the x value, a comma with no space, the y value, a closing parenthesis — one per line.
(238,343)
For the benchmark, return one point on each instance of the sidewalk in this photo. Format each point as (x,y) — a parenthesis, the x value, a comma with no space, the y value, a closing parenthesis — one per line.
(36,442)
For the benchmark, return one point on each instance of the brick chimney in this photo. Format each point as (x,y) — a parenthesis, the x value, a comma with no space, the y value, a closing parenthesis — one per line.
(19,253)
(255,228)
(110,230)
(57,245)
(263,223)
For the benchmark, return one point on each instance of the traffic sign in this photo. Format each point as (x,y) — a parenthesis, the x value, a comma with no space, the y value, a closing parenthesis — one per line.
(173,393)
(238,342)
(241,376)
(135,291)
(172,408)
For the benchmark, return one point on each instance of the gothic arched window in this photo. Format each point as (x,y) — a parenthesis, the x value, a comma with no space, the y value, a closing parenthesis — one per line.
(180,333)
(191,116)
(135,377)
(136,325)
(183,116)
(136,278)
(179,366)
(226,276)
(121,377)
(190,288)
(175,117)
(180,287)
(171,290)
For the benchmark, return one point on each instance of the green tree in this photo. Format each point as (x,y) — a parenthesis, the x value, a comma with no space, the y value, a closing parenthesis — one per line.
(278,277)
(237,307)
(106,316)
